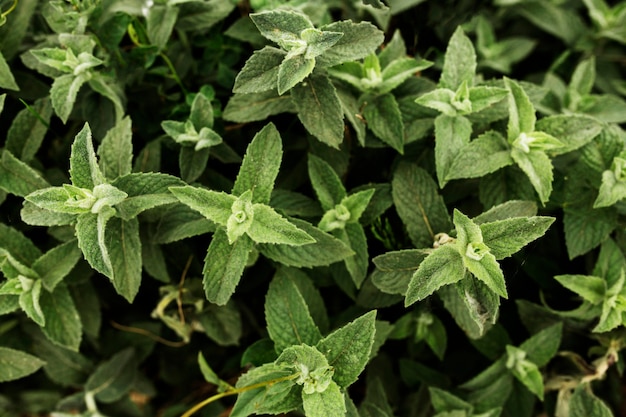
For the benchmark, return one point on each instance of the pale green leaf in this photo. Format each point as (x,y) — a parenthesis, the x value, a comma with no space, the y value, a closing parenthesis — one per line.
(538,168)
(419,204)
(2,98)
(459,63)
(442,267)
(586,229)
(160,22)
(270,227)
(243,108)
(84,169)
(319,109)
(467,231)
(574,131)
(63,94)
(16,177)
(29,301)
(611,190)
(610,262)
(292,71)
(490,148)
(351,109)
(482,97)
(607,108)
(358,41)
(18,245)
(508,236)
(63,325)
(201,114)
(215,206)
(6,77)
(488,271)
(28,130)
(37,216)
(260,72)
(584,76)
(281,26)
(113,378)
(260,165)
(325,251)
(507,210)
(348,348)
(54,199)
(452,133)
(326,183)
(521,111)
(287,315)
(384,118)
(15,364)
(108,87)
(439,99)
(55,264)
(399,70)
(116,150)
(90,242)
(329,402)
(223,266)
(145,190)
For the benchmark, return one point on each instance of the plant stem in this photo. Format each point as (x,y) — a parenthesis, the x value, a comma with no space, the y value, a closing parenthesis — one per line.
(10,9)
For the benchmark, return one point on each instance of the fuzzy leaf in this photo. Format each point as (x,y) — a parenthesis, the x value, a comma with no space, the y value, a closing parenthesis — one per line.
(526,372)
(583,404)
(289,321)
(260,72)
(260,165)
(326,183)
(243,108)
(28,130)
(15,364)
(215,206)
(507,210)
(452,133)
(506,237)
(442,267)
(223,266)
(113,378)
(270,227)
(589,287)
(281,25)
(18,178)
(460,62)
(116,150)
(490,148)
(521,111)
(385,120)
(586,229)
(353,236)
(6,77)
(419,204)
(542,346)
(145,190)
(538,168)
(63,325)
(394,270)
(573,131)
(18,245)
(399,70)
(319,109)
(358,41)
(348,348)
(160,21)
(55,264)
(84,169)
(63,94)
(222,324)
(124,247)
(329,402)
(292,71)
(29,301)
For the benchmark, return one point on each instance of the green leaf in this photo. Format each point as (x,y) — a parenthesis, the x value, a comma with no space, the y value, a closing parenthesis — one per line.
(18,178)
(112,379)
(442,267)
(84,169)
(223,266)
(281,26)
(326,183)
(90,231)
(452,133)
(348,348)
(270,227)
(538,168)
(287,314)
(15,364)
(28,130)
(63,94)
(124,246)
(443,401)
(586,229)
(419,204)
(260,72)
(383,117)
(37,216)
(18,245)
(215,206)
(63,325)
(107,86)
(329,402)
(6,77)
(584,77)
(179,222)
(611,190)
(358,41)
(525,371)
(243,108)
(459,63)
(482,97)
(160,22)
(116,150)
(29,301)
(222,324)
(319,109)
(490,148)
(506,237)
(55,264)
(209,374)
(145,190)
(543,346)
(507,210)
(394,270)
(63,366)
(353,236)
(399,70)
(260,165)
(521,111)
(574,131)
(325,251)
(292,71)
(583,403)
(439,99)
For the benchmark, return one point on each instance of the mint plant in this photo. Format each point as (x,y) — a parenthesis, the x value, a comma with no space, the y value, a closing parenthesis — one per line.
(344,208)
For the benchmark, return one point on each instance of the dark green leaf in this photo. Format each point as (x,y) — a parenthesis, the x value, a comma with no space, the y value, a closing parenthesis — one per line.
(460,62)
(112,379)
(28,130)
(383,117)
(15,364)
(442,267)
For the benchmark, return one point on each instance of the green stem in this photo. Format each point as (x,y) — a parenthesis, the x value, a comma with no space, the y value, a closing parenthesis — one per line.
(175,76)
(13,6)
(235,391)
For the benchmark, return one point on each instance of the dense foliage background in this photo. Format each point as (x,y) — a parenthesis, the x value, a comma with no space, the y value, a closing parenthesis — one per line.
(196,194)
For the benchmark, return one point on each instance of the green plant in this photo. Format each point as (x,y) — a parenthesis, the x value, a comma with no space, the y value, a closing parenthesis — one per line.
(339,208)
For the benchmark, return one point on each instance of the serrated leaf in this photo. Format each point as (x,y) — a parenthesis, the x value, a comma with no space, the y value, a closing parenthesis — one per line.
(55,264)
(29,301)
(583,404)
(526,372)
(459,62)
(348,348)
(292,71)
(180,222)
(452,133)
(112,379)
(538,168)
(573,131)
(63,94)
(260,165)
(145,190)
(270,227)
(521,111)
(63,366)
(215,206)
(84,169)
(442,267)
(586,229)
(329,402)
(18,178)
(311,295)
(542,346)
(439,99)
(584,76)
(319,109)
(399,70)
(243,108)
(325,251)
(222,324)
(611,190)
(160,21)
(223,266)
(490,148)
(260,72)
(281,25)
(90,233)
(63,325)
(124,247)
(506,237)
(116,150)
(15,364)
(6,77)
(419,204)
(37,216)
(443,401)
(18,245)
(507,210)
(287,314)
(28,130)
(354,237)
(394,270)
(326,183)
(384,118)
(358,41)
(504,185)
(482,97)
